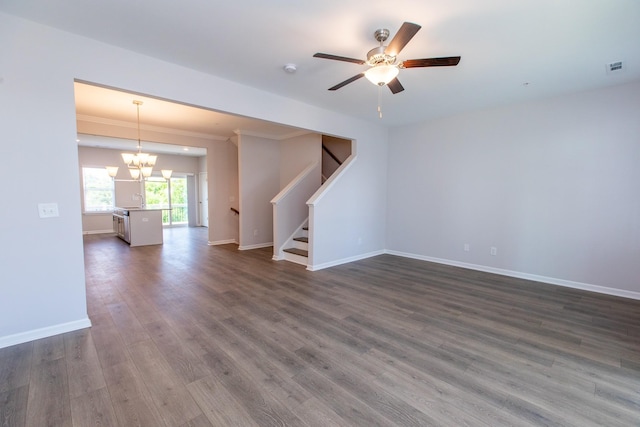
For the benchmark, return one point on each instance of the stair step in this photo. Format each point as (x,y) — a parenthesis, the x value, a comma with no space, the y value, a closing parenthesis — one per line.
(297,251)
(301,239)
(305,228)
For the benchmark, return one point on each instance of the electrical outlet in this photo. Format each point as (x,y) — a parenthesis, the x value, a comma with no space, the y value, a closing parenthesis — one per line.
(467,247)
(48,210)
(494,251)
(255,232)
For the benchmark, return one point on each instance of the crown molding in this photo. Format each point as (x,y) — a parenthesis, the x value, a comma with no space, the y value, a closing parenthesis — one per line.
(240,132)
(160,129)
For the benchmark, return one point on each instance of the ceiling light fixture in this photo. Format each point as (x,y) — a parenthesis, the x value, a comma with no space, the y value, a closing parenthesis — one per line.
(140,164)
(381,74)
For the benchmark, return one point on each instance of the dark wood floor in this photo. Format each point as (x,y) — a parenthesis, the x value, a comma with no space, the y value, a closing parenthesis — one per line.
(187,334)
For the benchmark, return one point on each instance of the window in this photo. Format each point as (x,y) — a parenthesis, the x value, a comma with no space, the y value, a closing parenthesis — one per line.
(98,190)
(169,195)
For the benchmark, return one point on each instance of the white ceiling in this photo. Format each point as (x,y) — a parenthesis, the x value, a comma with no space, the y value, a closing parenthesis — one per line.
(511,51)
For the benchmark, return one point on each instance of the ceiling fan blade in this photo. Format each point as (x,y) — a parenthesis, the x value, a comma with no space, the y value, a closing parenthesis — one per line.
(338,58)
(395,86)
(402,37)
(346,82)
(430,62)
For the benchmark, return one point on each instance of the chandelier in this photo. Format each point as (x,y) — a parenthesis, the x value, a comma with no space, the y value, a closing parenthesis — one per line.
(140,164)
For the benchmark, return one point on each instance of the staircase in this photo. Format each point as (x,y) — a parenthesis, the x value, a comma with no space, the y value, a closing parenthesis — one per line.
(299,252)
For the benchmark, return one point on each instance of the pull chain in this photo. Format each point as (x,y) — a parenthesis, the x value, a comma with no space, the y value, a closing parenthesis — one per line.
(380,101)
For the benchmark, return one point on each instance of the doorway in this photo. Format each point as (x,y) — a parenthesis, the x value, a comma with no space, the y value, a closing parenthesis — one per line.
(169,195)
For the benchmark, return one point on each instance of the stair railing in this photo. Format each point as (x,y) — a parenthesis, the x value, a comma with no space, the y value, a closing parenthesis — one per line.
(330,153)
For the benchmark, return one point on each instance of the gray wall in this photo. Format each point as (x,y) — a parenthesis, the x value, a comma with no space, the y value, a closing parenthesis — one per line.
(553,185)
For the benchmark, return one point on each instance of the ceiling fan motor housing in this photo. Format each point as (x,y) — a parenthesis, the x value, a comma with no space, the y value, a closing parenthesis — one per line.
(377,56)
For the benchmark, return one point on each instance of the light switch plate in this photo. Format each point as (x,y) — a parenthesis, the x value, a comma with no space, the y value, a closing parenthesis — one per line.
(48,210)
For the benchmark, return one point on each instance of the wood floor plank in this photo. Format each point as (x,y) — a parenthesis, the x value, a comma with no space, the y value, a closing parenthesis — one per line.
(424,399)
(187,365)
(93,408)
(13,406)
(315,413)
(262,407)
(199,421)
(349,408)
(271,375)
(131,330)
(82,363)
(130,398)
(547,395)
(47,349)
(49,403)
(263,344)
(15,366)
(109,344)
(219,405)
(353,381)
(166,389)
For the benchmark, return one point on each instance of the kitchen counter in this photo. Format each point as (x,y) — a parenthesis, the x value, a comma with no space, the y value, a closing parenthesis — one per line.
(138,226)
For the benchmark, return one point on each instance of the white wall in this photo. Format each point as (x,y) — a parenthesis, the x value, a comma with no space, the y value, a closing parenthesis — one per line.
(348,192)
(266,166)
(222,166)
(42,286)
(296,154)
(42,290)
(259,182)
(553,185)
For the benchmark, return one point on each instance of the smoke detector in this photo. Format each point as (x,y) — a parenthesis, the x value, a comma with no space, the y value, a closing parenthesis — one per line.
(290,68)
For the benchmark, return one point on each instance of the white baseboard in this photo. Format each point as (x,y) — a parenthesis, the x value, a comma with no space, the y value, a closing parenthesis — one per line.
(533,277)
(317,267)
(222,242)
(256,246)
(49,331)
(109,231)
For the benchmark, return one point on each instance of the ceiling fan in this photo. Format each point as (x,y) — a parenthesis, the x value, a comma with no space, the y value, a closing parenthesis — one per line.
(382,59)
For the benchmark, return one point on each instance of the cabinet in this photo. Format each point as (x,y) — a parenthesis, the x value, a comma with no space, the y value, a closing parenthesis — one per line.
(138,227)
(121,226)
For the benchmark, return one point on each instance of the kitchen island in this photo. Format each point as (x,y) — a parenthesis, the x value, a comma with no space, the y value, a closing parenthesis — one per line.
(138,227)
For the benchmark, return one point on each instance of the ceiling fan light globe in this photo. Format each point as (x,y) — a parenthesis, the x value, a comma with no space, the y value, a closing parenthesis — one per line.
(380,75)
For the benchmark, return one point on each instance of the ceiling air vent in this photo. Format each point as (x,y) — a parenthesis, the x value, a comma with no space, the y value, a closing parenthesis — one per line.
(615,67)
